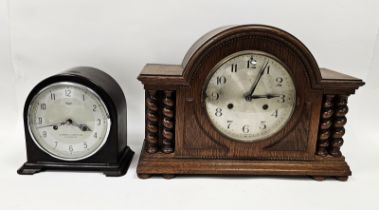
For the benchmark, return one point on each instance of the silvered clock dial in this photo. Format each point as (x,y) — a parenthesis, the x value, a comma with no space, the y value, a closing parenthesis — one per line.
(68,120)
(249,96)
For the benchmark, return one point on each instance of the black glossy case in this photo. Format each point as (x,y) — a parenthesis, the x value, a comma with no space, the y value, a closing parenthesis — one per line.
(114,158)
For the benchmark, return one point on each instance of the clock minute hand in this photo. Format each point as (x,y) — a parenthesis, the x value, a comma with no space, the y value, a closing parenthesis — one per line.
(268,96)
(53,124)
(44,126)
(260,73)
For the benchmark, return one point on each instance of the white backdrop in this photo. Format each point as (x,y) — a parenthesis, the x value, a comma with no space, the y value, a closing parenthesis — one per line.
(40,38)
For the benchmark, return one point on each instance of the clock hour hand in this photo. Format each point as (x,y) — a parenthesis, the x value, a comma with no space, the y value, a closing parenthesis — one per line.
(248,97)
(82,127)
(268,96)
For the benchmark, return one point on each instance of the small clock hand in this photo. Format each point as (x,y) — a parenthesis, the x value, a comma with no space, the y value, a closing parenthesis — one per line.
(268,96)
(82,127)
(248,97)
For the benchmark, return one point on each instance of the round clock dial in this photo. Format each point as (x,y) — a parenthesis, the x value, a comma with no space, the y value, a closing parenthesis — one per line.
(249,96)
(68,121)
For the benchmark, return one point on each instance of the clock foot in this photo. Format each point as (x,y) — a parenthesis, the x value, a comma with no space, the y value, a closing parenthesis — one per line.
(144,176)
(342,178)
(322,153)
(335,153)
(152,150)
(167,150)
(122,167)
(27,169)
(114,173)
(168,176)
(319,178)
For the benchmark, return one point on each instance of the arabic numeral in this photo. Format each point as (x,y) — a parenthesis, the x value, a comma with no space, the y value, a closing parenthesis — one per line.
(218,112)
(263,125)
(95,135)
(85,145)
(279,81)
(215,96)
(44,134)
(220,80)
(70,148)
(52,96)
(229,122)
(234,68)
(252,63)
(275,114)
(40,120)
(67,92)
(282,99)
(94,108)
(245,129)
(43,106)
(98,121)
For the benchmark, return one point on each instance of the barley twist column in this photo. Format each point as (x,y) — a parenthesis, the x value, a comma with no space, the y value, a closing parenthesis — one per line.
(168,121)
(325,125)
(338,125)
(151,135)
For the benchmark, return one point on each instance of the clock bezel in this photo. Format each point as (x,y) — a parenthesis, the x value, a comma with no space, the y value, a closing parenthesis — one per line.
(228,58)
(294,141)
(75,84)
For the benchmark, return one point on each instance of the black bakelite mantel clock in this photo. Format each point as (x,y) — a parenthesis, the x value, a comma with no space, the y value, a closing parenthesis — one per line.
(247,100)
(76,121)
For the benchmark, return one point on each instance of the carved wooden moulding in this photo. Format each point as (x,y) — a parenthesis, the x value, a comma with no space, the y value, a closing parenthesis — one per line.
(183,137)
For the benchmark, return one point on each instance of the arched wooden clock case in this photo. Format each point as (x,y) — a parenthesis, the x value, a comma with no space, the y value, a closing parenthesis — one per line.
(114,157)
(180,138)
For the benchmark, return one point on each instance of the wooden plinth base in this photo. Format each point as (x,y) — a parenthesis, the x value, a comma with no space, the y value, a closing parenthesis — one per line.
(118,169)
(168,165)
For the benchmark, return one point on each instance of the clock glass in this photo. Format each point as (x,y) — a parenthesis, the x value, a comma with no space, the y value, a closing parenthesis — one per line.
(68,121)
(249,96)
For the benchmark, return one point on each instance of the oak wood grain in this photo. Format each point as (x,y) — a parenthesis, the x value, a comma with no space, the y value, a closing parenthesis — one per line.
(201,149)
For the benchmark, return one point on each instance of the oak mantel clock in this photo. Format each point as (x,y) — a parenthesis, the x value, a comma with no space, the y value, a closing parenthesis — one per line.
(247,100)
(76,121)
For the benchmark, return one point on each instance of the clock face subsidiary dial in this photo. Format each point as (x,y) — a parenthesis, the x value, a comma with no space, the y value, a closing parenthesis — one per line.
(69,121)
(249,96)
